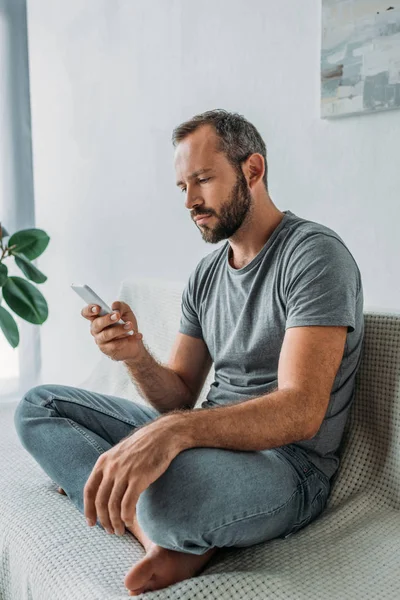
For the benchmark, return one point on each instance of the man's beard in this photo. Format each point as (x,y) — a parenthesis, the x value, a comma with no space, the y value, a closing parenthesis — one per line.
(232,214)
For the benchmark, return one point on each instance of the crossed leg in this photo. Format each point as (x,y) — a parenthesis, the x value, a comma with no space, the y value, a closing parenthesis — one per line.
(208,498)
(160,567)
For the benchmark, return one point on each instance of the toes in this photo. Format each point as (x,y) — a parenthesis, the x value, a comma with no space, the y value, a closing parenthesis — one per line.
(139,574)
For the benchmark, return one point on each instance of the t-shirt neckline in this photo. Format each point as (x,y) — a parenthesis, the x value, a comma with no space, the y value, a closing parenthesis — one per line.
(288,214)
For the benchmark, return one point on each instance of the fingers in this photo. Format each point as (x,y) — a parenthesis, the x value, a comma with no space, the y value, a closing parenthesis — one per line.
(88,313)
(128,505)
(114,508)
(104,503)
(100,323)
(109,334)
(89,495)
(102,499)
(117,305)
(106,329)
(121,306)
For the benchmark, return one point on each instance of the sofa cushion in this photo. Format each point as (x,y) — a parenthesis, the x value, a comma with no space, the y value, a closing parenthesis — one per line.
(352,550)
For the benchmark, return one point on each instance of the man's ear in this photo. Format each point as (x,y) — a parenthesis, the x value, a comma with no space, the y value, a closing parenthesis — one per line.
(254,168)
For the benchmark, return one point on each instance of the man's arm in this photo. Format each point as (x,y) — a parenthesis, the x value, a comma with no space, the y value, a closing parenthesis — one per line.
(309,360)
(158,384)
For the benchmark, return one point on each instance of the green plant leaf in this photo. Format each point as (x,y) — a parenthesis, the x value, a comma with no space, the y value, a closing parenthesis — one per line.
(25,300)
(31,242)
(28,269)
(9,327)
(3,274)
(3,232)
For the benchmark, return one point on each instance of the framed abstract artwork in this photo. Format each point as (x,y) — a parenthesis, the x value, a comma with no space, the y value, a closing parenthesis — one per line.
(360,57)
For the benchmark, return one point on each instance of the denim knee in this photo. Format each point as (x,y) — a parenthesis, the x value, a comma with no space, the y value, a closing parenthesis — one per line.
(171,524)
(170,513)
(25,409)
(160,520)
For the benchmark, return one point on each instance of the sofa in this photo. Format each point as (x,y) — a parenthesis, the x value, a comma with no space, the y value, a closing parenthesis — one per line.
(352,550)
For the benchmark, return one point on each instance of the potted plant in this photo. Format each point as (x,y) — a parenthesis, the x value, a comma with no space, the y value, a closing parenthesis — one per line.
(19,294)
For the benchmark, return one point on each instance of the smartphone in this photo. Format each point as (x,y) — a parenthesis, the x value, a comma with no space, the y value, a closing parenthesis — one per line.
(90,297)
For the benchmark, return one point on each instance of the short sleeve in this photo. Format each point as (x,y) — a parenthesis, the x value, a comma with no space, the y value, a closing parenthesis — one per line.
(322,283)
(189,322)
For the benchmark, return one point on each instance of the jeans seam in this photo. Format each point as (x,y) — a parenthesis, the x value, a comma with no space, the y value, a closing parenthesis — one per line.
(257,514)
(298,458)
(76,426)
(105,412)
(311,468)
(89,439)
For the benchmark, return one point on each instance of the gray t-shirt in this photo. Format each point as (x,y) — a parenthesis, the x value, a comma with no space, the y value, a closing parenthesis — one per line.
(303,275)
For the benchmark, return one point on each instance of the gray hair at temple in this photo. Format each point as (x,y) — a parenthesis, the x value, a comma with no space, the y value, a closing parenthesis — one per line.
(238,138)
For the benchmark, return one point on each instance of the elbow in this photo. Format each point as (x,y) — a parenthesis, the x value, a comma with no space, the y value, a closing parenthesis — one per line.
(316,405)
(310,432)
(312,426)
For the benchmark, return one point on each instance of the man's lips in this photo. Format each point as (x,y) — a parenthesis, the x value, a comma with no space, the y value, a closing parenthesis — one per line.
(201,217)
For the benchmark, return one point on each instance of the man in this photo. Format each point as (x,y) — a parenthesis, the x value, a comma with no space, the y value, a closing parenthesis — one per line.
(279,310)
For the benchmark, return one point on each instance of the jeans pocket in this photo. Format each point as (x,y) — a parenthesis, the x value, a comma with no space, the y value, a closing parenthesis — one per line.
(297,527)
(316,507)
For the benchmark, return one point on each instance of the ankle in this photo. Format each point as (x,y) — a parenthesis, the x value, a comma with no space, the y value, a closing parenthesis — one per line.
(146,542)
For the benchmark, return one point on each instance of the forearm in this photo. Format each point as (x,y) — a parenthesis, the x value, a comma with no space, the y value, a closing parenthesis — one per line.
(158,384)
(269,421)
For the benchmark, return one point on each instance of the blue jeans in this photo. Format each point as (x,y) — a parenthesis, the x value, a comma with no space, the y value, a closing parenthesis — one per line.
(208,497)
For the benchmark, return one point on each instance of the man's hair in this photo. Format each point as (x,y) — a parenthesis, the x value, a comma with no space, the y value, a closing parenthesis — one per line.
(238,138)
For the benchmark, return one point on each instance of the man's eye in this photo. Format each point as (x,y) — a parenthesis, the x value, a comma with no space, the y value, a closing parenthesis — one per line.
(200,181)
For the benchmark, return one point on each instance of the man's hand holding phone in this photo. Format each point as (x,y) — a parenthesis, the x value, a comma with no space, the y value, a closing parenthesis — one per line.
(114,340)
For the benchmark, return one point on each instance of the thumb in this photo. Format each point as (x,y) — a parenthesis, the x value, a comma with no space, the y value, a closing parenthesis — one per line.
(122,307)
(124,310)
(126,314)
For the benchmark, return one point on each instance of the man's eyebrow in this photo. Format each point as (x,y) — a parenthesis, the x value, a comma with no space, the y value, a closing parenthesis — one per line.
(195,174)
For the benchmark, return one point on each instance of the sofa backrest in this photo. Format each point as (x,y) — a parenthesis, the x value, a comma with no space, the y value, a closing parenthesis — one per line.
(370,450)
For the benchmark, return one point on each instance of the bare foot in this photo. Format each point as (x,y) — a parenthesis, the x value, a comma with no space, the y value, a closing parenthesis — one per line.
(162,567)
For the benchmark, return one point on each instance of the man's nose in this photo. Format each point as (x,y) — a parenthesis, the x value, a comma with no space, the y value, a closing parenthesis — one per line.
(191,199)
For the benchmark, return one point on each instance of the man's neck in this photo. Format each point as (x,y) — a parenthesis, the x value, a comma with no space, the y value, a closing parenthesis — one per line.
(239,257)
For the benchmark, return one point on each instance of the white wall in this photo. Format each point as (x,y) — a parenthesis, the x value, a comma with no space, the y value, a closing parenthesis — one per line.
(19,367)
(109,82)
